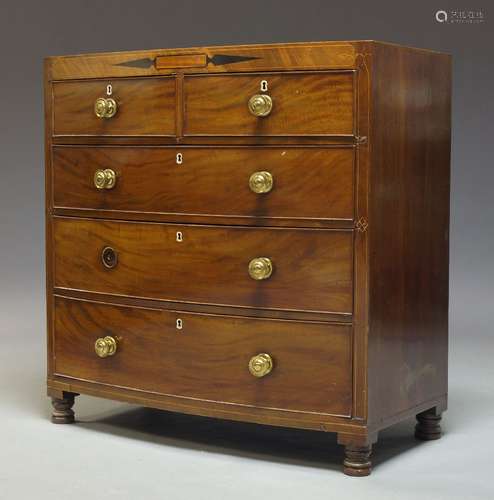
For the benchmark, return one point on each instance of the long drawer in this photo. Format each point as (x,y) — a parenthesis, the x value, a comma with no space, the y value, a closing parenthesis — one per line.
(216,358)
(272,268)
(288,104)
(252,183)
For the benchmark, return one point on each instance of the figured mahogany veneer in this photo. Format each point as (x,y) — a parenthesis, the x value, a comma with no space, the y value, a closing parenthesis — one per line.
(309,183)
(208,357)
(146,107)
(303,104)
(209,266)
(151,296)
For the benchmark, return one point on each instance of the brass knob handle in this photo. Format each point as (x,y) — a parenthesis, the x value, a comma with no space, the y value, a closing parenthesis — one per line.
(105,347)
(260,268)
(261,365)
(105,107)
(260,105)
(105,179)
(261,182)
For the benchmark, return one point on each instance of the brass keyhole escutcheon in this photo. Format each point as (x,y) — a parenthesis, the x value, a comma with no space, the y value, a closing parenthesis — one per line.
(260,105)
(105,107)
(105,347)
(109,257)
(261,365)
(105,179)
(261,182)
(260,268)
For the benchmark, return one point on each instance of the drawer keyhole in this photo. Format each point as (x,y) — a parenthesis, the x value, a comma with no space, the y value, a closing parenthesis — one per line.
(109,257)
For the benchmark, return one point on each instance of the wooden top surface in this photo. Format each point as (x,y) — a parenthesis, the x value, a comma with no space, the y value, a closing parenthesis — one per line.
(213,59)
(248,46)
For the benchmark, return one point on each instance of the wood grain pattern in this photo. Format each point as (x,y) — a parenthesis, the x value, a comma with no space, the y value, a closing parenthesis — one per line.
(47,110)
(408,230)
(208,359)
(179,61)
(208,308)
(146,107)
(209,266)
(316,55)
(349,429)
(303,104)
(361,240)
(361,254)
(221,220)
(307,140)
(309,183)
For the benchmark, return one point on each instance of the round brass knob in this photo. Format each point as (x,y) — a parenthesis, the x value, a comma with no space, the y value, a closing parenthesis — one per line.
(105,107)
(261,182)
(109,257)
(260,268)
(105,347)
(260,105)
(261,365)
(105,179)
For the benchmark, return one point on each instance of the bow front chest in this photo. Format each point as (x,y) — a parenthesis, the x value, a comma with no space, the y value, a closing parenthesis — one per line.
(254,233)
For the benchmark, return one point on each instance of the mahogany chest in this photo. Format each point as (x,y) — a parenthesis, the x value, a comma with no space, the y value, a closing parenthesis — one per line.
(255,233)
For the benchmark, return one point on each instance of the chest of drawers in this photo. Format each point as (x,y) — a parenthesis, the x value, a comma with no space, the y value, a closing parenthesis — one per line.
(254,233)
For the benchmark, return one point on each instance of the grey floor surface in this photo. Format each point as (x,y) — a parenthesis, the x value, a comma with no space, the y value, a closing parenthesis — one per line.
(120,451)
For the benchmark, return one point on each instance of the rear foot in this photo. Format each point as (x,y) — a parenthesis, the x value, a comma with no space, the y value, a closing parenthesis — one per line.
(428,425)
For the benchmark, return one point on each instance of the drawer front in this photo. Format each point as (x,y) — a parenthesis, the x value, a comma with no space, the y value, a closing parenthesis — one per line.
(144,107)
(311,270)
(302,104)
(300,183)
(208,358)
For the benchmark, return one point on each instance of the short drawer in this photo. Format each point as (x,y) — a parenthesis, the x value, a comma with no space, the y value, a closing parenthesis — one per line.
(207,357)
(292,269)
(136,107)
(294,104)
(252,183)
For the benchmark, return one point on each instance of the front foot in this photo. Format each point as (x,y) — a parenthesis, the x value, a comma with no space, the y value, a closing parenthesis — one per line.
(357,460)
(62,408)
(358,450)
(428,425)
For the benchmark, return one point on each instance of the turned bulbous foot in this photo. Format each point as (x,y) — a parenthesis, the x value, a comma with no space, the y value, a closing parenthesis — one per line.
(428,425)
(62,409)
(357,460)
